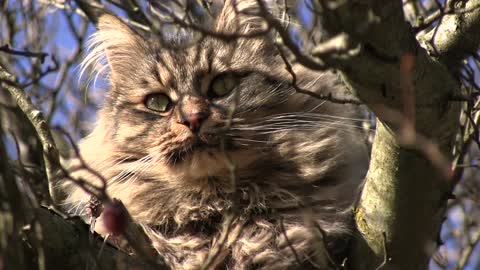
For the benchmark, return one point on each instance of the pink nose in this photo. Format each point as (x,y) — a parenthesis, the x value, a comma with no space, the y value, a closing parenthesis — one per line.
(193,121)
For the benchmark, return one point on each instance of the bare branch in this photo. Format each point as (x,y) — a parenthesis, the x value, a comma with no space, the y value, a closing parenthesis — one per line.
(69,236)
(468,252)
(50,152)
(41,55)
(457,35)
(404,192)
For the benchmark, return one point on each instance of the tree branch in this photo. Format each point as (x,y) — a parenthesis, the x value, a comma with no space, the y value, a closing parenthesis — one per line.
(69,245)
(50,152)
(404,194)
(41,55)
(457,36)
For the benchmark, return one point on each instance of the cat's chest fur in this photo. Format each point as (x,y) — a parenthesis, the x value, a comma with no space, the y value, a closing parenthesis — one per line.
(256,228)
(283,204)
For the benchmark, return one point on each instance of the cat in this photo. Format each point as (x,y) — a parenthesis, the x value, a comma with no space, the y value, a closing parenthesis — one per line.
(191,135)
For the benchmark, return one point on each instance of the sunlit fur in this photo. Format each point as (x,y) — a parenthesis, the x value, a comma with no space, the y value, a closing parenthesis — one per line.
(299,161)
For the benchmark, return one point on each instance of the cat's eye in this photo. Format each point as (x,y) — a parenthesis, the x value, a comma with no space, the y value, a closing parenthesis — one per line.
(223,84)
(158,102)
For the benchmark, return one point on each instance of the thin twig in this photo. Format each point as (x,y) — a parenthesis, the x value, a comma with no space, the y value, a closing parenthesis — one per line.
(41,55)
(467,253)
(386,258)
(328,97)
(50,152)
(289,243)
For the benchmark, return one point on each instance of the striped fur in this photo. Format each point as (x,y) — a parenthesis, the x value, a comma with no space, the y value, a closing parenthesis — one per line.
(299,161)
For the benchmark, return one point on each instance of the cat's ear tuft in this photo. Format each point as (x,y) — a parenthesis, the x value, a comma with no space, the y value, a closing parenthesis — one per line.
(108,22)
(243,17)
(114,48)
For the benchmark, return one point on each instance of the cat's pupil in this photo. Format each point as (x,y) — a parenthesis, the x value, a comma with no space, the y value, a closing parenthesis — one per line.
(223,85)
(157,102)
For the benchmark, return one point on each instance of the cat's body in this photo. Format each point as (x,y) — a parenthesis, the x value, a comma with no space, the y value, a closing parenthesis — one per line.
(298,161)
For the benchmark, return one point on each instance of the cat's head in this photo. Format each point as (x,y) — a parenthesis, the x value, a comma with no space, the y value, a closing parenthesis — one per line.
(187,106)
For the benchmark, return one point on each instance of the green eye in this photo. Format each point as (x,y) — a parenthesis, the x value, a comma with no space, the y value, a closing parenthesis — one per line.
(158,102)
(223,84)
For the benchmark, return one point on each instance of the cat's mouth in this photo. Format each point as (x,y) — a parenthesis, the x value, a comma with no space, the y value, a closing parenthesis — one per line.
(208,143)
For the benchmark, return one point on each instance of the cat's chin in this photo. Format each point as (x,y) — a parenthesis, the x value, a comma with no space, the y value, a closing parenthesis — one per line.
(183,157)
(205,146)
(208,161)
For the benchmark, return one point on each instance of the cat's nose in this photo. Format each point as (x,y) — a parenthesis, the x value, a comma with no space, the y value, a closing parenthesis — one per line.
(194,121)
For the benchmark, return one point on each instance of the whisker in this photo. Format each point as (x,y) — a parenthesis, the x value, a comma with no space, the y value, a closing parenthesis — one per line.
(310,115)
(145,166)
(293,125)
(113,163)
(318,106)
(128,171)
(250,140)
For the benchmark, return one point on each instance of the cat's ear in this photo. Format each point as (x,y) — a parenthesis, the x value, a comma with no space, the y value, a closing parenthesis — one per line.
(243,17)
(115,48)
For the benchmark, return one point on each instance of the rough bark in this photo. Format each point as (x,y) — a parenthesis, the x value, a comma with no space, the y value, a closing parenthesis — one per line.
(402,204)
(68,243)
(457,35)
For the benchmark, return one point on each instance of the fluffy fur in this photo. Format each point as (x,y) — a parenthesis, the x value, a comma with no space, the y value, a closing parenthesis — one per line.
(276,164)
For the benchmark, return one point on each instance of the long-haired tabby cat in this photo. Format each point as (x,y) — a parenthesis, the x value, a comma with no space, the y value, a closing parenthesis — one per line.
(190,134)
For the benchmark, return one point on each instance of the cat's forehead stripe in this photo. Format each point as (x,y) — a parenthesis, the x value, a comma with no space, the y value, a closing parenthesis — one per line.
(180,69)
(164,76)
